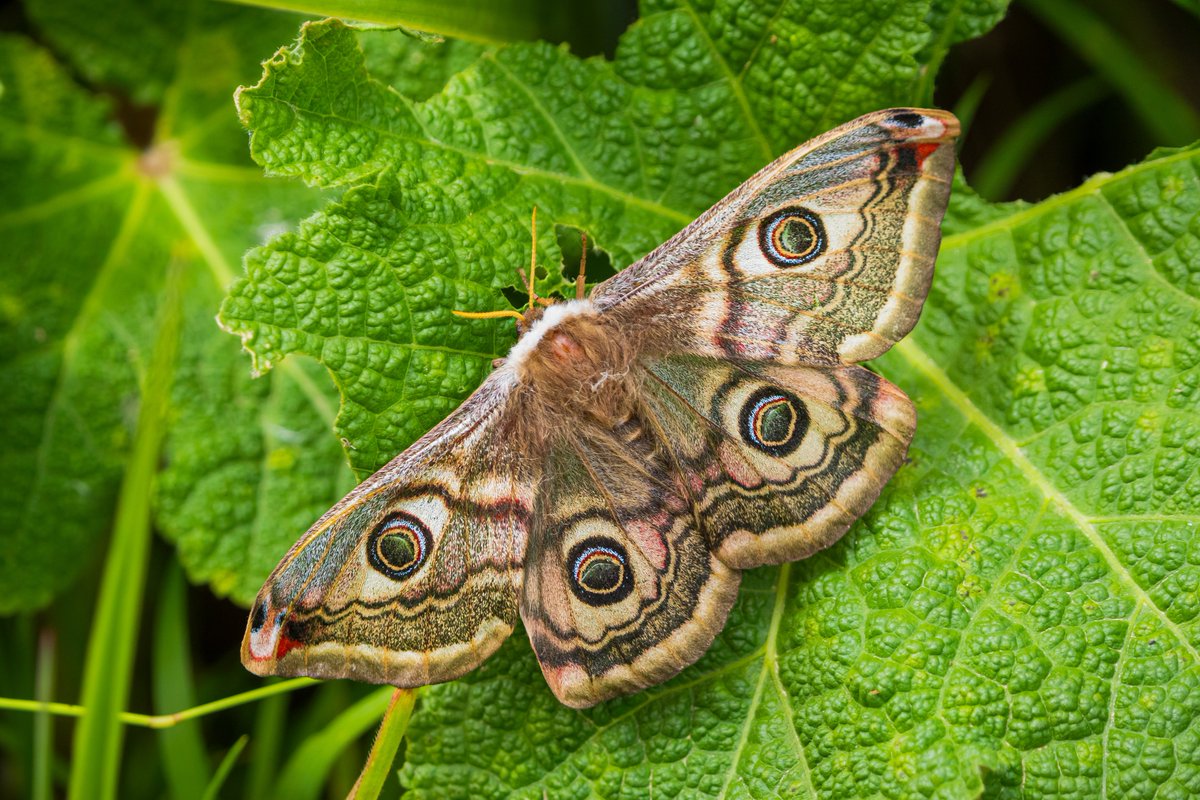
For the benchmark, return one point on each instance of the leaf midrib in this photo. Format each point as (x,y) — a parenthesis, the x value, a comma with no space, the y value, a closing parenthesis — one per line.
(667,213)
(735,83)
(88,311)
(537,105)
(1085,189)
(61,202)
(647,698)
(770,671)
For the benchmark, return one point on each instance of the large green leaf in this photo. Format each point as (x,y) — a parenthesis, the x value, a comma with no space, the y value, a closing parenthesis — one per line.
(90,223)
(1015,616)
(436,218)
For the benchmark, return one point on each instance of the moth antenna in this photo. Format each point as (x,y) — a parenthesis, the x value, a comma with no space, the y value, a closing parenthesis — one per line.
(508,312)
(527,280)
(580,286)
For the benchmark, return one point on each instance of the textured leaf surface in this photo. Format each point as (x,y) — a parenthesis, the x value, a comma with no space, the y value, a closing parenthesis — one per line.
(955,20)
(629,151)
(1017,614)
(89,226)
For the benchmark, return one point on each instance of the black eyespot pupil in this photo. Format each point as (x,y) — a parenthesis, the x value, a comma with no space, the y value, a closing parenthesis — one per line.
(601,575)
(399,545)
(794,237)
(791,236)
(774,421)
(598,571)
(398,549)
(777,423)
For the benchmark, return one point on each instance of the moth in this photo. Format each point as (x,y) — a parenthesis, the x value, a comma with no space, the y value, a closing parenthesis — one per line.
(702,412)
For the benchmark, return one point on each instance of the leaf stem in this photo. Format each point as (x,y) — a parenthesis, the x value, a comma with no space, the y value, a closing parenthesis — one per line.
(313,760)
(387,742)
(158,721)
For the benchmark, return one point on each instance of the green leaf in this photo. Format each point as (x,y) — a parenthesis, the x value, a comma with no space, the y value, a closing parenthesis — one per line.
(66,423)
(1023,596)
(94,222)
(436,218)
(954,21)
(417,72)
(1017,615)
(469,20)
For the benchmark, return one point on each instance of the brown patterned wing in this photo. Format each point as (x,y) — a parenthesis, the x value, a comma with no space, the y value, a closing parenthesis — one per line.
(824,257)
(414,577)
(781,459)
(621,590)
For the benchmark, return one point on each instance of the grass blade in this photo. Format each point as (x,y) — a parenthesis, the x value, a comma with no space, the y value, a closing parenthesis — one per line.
(1004,162)
(184,757)
(43,723)
(1171,119)
(387,741)
(223,769)
(109,663)
(308,769)
(264,756)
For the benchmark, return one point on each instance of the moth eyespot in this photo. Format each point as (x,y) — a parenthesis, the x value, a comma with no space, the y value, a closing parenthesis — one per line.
(259,618)
(599,571)
(908,119)
(791,237)
(774,421)
(398,546)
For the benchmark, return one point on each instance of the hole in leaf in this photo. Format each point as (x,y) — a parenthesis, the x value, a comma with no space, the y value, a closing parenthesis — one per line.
(518,296)
(599,264)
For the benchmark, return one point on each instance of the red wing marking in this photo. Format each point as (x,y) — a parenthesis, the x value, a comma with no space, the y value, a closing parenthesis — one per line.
(925,150)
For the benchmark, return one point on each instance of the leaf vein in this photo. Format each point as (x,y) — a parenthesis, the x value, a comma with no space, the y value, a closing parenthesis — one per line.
(549,118)
(921,361)
(739,92)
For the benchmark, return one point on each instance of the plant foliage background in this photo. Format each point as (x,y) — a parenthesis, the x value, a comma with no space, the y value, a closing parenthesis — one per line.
(1017,616)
